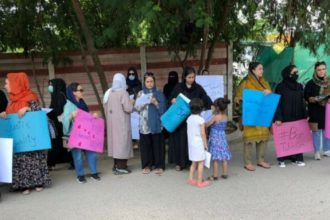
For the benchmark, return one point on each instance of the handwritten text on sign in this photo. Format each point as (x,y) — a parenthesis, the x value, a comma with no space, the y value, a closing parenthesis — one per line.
(30,133)
(292,138)
(213,85)
(87,132)
(258,108)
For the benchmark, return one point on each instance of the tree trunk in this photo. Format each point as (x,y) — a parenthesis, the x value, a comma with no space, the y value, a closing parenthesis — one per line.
(36,80)
(205,39)
(90,44)
(227,7)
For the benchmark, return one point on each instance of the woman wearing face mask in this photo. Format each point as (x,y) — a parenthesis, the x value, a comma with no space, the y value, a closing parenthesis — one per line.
(58,154)
(75,101)
(178,142)
(173,79)
(291,106)
(133,83)
(252,134)
(317,91)
(29,168)
(151,137)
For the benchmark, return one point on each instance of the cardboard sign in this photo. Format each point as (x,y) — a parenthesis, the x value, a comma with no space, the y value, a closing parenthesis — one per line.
(213,85)
(292,138)
(87,132)
(30,133)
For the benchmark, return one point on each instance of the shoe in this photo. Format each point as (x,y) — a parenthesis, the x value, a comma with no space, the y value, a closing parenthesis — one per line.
(281,164)
(81,179)
(192,182)
(95,177)
(317,156)
(223,176)
(146,170)
(300,163)
(178,168)
(326,153)
(159,171)
(249,167)
(264,165)
(26,192)
(122,171)
(203,184)
(212,178)
(39,189)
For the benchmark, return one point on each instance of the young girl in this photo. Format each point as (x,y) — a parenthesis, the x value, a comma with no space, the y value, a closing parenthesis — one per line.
(218,145)
(197,143)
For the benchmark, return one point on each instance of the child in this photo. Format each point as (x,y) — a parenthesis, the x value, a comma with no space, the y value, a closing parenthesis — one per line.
(218,145)
(197,143)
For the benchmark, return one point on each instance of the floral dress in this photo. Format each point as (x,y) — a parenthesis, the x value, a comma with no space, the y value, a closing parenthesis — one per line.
(217,143)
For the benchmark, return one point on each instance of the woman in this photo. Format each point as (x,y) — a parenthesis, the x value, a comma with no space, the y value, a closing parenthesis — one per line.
(29,169)
(173,79)
(134,85)
(151,136)
(291,106)
(3,101)
(317,93)
(75,101)
(178,144)
(118,108)
(58,154)
(251,134)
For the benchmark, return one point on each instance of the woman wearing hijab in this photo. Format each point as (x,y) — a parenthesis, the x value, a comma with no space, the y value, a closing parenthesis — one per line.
(134,85)
(58,154)
(173,79)
(75,101)
(118,108)
(291,106)
(317,92)
(178,143)
(30,168)
(252,134)
(151,137)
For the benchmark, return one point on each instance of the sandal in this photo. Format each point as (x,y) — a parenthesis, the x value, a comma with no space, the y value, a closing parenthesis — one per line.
(213,178)
(264,165)
(39,189)
(159,171)
(249,167)
(26,192)
(192,182)
(146,170)
(223,176)
(178,168)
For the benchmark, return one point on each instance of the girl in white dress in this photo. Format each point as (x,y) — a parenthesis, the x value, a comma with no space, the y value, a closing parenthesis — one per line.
(197,143)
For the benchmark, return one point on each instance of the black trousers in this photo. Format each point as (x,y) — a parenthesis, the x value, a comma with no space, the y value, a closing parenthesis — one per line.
(120,163)
(152,150)
(293,158)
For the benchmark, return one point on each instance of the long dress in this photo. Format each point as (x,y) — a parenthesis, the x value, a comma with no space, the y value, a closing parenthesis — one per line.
(217,143)
(118,110)
(178,143)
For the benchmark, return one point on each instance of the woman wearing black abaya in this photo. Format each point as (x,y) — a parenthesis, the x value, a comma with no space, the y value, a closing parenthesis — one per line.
(178,144)
(173,79)
(58,154)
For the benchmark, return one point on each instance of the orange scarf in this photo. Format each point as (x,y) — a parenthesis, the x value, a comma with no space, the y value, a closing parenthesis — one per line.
(20,93)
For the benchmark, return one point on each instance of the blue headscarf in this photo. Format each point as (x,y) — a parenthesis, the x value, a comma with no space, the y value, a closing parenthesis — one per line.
(70,96)
(154,113)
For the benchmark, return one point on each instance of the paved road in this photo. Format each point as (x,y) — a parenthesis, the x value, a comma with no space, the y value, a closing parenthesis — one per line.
(279,193)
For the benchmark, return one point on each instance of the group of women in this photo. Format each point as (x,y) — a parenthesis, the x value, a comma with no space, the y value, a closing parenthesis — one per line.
(31,169)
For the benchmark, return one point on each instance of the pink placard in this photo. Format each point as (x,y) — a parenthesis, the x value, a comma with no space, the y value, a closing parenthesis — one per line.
(292,138)
(327,121)
(87,132)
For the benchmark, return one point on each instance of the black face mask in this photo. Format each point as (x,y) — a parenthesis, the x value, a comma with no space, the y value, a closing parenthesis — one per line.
(293,77)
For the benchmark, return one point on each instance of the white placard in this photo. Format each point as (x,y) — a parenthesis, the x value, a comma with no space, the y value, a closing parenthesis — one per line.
(213,84)
(6,160)
(144,99)
(135,120)
(207,162)
(207,115)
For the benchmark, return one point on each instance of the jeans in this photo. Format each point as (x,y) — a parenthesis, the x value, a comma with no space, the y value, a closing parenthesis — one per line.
(319,139)
(78,162)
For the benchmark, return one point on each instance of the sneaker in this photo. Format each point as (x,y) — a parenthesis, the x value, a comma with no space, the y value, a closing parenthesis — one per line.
(122,171)
(300,163)
(326,153)
(96,177)
(317,156)
(81,179)
(281,164)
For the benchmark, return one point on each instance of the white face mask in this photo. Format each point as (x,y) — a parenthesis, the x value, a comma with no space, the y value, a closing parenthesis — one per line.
(131,77)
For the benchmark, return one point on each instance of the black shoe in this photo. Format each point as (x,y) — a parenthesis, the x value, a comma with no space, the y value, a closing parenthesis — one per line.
(95,177)
(81,179)
(122,171)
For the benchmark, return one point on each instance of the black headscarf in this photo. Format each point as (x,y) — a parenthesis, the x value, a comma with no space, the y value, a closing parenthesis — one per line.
(58,96)
(136,81)
(173,79)
(3,101)
(290,81)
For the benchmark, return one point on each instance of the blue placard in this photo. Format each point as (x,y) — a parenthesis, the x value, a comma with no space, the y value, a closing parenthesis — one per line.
(176,114)
(30,133)
(258,108)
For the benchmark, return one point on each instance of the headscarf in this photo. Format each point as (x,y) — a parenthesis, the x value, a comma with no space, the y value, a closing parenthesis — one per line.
(70,96)
(288,80)
(173,79)
(323,83)
(20,93)
(118,83)
(3,101)
(136,81)
(58,96)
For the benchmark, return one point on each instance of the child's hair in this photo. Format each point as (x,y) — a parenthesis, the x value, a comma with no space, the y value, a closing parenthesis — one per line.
(221,104)
(196,106)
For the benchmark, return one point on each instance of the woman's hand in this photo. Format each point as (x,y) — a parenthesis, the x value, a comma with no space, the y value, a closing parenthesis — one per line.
(3,115)
(73,115)
(22,111)
(267,91)
(154,101)
(278,123)
(95,115)
(173,100)
(312,99)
